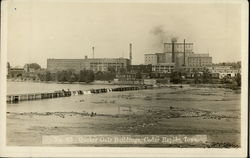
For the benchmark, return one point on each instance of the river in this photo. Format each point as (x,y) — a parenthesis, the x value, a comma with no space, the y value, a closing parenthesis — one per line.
(184,110)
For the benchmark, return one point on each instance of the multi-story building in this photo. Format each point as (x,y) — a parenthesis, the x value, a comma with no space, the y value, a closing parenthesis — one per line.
(163,67)
(178,47)
(150,59)
(199,60)
(180,55)
(95,64)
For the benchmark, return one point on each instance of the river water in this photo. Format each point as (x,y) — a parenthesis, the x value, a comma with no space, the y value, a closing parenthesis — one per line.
(213,99)
(36,87)
(188,110)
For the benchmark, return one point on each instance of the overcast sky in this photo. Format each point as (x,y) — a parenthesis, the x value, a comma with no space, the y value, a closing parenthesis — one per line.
(38,30)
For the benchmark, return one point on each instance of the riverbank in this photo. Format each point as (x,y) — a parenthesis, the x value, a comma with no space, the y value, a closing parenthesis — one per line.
(56,82)
(215,85)
(227,86)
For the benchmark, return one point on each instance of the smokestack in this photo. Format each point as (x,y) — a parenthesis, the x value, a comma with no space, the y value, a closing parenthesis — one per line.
(93,51)
(173,40)
(184,53)
(130,53)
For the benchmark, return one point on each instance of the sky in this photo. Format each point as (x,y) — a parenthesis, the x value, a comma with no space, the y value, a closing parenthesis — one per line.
(41,29)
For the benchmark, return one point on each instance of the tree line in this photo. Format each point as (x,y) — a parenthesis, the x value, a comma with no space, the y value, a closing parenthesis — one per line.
(205,77)
(72,76)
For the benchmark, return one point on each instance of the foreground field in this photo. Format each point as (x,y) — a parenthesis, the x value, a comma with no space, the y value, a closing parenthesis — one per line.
(208,111)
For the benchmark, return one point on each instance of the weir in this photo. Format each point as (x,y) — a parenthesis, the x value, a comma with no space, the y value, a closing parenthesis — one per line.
(15,98)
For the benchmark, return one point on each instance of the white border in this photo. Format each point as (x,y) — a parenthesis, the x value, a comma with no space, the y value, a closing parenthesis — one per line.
(124,151)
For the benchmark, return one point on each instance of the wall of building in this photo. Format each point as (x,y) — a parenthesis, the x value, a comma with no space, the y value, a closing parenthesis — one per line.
(65,64)
(161,58)
(98,64)
(164,68)
(168,57)
(196,61)
(150,59)
(178,47)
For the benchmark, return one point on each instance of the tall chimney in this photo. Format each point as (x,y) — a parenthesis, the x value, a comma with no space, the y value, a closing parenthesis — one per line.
(184,53)
(173,54)
(93,51)
(130,53)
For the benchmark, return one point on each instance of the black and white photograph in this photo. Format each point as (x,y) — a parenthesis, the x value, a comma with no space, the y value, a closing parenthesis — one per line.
(87,78)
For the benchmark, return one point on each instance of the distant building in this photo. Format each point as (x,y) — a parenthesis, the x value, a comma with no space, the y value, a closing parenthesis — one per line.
(140,68)
(223,71)
(163,67)
(179,55)
(150,59)
(95,64)
(128,78)
(15,73)
(178,47)
(199,60)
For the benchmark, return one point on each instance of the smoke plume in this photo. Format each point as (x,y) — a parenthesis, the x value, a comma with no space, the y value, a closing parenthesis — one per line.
(163,35)
(159,36)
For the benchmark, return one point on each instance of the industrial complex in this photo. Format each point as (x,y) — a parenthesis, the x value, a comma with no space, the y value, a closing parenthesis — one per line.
(177,55)
(174,56)
(94,64)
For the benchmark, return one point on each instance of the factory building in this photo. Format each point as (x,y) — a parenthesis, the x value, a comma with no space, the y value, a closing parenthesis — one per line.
(224,71)
(178,47)
(199,60)
(163,67)
(95,64)
(179,55)
(150,59)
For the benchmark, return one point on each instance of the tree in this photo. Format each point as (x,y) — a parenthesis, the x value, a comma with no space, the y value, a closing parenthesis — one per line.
(34,66)
(48,76)
(206,76)
(196,78)
(238,79)
(226,80)
(90,77)
(112,69)
(99,75)
(61,76)
(73,78)
(176,77)
(122,70)
(86,76)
